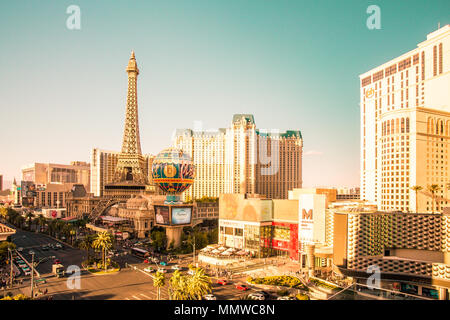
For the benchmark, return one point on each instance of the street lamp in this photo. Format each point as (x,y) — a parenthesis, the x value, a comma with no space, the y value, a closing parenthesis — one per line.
(33,265)
(32,274)
(193,246)
(11,262)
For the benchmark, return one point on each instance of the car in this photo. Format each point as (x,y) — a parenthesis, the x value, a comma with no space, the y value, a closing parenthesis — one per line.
(155,260)
(222,281)
(149,269)
(209,297)
(242,287)
(20,249)
(256,296)
(162,270)
(59,245)
(286,298)
(163,263)
(191,272)
(146,261)
(31,252)
(45,248)
(57,261)
(176,267)
(27,273)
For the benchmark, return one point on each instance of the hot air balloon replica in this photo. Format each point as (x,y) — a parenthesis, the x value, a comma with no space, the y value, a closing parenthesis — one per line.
(173,172)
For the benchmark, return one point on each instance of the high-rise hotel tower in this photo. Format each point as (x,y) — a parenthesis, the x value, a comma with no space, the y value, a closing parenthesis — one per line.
(242,159)
(405,128)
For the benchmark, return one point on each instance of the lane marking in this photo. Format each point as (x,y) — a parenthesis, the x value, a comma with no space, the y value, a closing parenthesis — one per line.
(136,298)
(145,296)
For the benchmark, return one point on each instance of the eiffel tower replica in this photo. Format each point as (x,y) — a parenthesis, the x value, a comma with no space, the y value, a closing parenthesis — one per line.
(131,172)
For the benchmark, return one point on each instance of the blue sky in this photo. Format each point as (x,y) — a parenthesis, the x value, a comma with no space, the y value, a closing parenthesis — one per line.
(293,64)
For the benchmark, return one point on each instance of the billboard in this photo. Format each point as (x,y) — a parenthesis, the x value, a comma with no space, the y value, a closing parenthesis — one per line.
(28,189)
(181,215)
(311,220)
(162,215)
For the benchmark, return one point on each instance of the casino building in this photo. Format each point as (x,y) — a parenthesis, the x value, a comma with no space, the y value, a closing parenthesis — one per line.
(242,159)
(405,127)
(276,227)
(411,250)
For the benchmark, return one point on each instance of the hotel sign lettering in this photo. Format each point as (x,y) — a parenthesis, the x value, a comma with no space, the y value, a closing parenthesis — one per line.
(307,215)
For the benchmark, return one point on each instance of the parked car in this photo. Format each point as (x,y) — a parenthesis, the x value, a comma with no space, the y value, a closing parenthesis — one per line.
(146,261)
(31,252)
(149,269)
(176,267)
(222,281)
(20,249)
(45,248)
(242,287)
(162,270)
(256,296)
(191,272)
(163,263)
(209,297)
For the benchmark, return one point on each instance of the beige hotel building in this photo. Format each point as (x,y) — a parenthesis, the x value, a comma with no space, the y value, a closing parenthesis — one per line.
(405,127)
(103,166)
(242,159)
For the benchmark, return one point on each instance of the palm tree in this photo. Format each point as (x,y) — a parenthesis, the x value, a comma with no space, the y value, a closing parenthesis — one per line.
(86,244)
(29,216)
(103,241)
(178,286)
(52,227)
(158,282)
(20,221)
(3,212)
(41,220)
(433,189)
(416,189)
(199,284)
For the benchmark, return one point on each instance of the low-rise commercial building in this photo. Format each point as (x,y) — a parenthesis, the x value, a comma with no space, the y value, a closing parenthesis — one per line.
(410,250)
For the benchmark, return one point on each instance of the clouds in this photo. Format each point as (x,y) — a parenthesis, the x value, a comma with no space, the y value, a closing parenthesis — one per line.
(312,153)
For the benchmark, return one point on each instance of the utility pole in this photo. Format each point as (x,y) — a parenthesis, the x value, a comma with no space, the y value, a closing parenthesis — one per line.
(32,275)
(11,262)
(194,247)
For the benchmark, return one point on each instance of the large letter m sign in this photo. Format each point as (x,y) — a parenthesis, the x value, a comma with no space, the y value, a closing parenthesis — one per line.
(307,215)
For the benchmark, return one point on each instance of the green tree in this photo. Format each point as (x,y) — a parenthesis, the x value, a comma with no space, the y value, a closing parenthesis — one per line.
(159,281)
(3,212)
(29,217)
(103,241)
(41,221)
(198,284)
(4,245)
(190,287)
(416,189)
(433,189)
(178,286)
(86,244)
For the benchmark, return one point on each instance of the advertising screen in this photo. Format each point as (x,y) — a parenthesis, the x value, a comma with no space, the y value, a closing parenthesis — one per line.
(162,215)
(181,215)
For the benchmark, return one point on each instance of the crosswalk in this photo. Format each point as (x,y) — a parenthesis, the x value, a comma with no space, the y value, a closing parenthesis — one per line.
(142,296)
